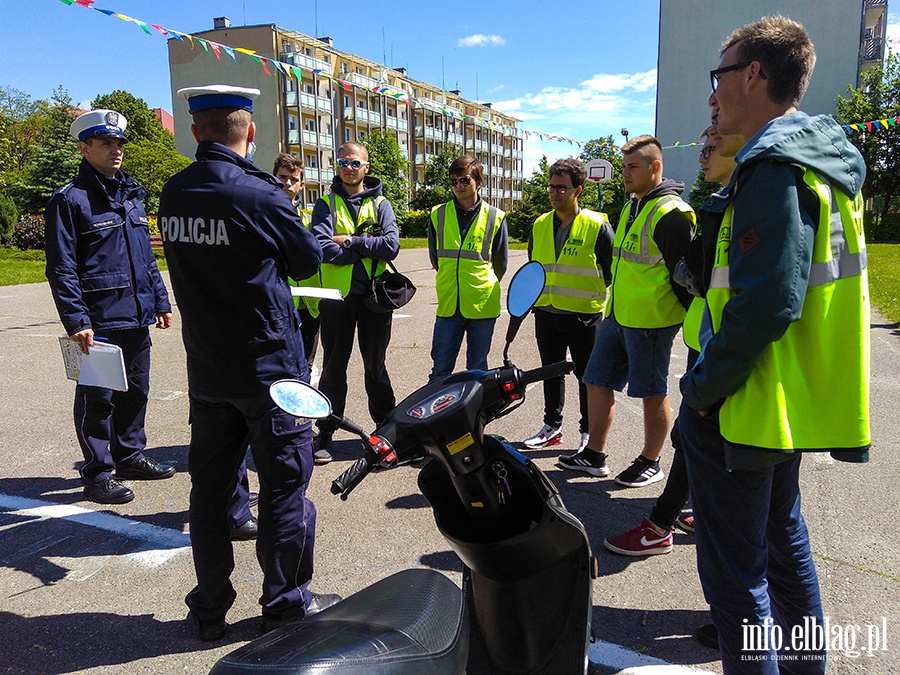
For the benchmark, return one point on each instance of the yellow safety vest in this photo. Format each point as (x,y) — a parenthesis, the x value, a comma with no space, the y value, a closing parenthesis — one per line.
(574,283)
(810,389)
(465,275)
(315,281)
(642,295)
(690,329)
(340,276)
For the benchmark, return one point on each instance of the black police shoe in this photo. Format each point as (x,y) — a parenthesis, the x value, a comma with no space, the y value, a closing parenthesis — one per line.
(208,631)
(245,532)
(144,469)
(318,602)
(254,499)
(108,491)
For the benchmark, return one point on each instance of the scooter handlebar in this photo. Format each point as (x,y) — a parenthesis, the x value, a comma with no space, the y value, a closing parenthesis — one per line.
(343,485)
(547,372)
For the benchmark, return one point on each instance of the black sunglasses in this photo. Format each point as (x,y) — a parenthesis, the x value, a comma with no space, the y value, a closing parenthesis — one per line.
(352,163)
(462,180)
(714,74)
(707,151)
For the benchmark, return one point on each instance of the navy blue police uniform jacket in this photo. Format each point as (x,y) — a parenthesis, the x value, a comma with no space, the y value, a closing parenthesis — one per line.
(99,263)
(232,238)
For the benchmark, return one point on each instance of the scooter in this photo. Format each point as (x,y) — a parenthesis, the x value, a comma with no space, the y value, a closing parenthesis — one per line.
(525,603)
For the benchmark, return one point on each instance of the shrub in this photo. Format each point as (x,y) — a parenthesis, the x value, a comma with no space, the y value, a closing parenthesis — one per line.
(9,215)
(29,233)
(886,231)
(414,224)
(153,225)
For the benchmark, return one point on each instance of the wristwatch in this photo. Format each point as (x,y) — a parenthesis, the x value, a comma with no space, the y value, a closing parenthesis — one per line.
(346,243)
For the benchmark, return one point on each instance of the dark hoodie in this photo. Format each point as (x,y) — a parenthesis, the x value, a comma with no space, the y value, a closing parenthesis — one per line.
(672,234)
(773,228)
(381,242)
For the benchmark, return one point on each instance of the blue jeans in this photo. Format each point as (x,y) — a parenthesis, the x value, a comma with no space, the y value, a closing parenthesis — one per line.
(447,339)
(753,554)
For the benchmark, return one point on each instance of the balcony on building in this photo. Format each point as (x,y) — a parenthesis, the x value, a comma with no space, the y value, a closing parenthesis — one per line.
(306,61)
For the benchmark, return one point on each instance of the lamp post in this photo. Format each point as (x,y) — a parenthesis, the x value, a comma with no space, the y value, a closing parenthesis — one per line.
(625,133)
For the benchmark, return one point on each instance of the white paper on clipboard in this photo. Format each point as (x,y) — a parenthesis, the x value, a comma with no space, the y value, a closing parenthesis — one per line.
(103,367)
(314,292)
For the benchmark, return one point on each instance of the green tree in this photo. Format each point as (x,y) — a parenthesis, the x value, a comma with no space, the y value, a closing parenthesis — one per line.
(22,125)
(535,202)
(152,163)
(56,160)
(878,98)
(435,189)
(701,190)
(142,121)
(388,163)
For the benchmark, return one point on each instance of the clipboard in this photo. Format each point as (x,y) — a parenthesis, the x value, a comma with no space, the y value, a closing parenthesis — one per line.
(103,367)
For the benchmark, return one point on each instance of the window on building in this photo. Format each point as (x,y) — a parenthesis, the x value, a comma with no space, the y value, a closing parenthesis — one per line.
(391,112)
(310,125)
(346,101)
(308,51)
(347,135)
(292,123)
(361,103)
(310,89)
(312,196)
(361,136)
(312,162)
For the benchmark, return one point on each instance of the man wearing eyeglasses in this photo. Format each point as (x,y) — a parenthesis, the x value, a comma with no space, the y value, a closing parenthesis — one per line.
(358,232)
(784,366)
(575,247)
(467,244)
(646,309)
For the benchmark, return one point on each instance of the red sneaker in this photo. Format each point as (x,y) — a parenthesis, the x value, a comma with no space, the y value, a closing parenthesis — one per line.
(642,540)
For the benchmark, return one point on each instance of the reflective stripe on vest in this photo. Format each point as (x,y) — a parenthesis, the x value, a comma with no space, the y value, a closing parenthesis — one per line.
(315,281)
(574,283)
(465,277)
(340,276)
(809,390)
(642,295)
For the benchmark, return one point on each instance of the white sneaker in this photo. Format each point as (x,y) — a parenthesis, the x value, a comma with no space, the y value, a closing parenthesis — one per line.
(585,439)
(546,437)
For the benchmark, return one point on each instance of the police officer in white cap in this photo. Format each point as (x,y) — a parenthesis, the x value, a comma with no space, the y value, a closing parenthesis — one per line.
(107,286)
(232,238)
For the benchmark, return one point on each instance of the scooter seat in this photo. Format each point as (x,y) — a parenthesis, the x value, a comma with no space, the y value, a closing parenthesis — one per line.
(411,622)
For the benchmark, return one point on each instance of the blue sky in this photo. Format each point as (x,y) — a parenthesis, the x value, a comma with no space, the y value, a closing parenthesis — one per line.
(577,70)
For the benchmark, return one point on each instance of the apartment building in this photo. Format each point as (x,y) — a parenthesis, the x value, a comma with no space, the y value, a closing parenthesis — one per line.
(343,97)
(849,36)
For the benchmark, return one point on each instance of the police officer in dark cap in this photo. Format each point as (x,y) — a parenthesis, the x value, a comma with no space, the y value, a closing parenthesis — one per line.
(106,286)
(232,238)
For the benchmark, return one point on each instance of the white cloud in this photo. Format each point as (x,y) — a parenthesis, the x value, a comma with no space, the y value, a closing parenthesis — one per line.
(499,87)
(481,40)
(893,32)
(598,107)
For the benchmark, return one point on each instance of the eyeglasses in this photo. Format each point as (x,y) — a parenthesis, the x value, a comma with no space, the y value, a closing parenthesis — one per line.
(462,180)
(352,163)
(707,151)
(714,74)
(559,189)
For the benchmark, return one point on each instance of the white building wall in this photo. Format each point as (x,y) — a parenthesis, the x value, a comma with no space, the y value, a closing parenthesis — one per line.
(691,33)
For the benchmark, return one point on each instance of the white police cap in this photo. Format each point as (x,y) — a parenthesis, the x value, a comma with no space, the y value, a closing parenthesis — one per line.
(102,123)
(219,96)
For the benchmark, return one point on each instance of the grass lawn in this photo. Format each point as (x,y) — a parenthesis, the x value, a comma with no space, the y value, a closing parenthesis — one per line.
(27,267)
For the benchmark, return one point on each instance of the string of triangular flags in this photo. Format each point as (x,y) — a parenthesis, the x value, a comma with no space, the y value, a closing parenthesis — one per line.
(290,71)
(876,125)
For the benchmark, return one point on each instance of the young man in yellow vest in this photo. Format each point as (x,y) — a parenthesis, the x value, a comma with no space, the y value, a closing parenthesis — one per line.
(645,311)
(784,366)
(357,230)
(467,244)
(575,247)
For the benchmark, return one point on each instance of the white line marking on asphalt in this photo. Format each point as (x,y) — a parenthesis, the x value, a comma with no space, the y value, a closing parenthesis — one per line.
(626,662)
(164,542)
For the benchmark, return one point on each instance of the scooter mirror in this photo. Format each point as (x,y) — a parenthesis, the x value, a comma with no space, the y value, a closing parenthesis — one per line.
(300,399)
(525,288)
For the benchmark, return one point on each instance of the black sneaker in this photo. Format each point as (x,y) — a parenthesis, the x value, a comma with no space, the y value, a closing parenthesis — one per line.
(587,460)
(707,635)
(253,499)
(320,454)
(108,491)
(144,469)
(208,631)
(641,472)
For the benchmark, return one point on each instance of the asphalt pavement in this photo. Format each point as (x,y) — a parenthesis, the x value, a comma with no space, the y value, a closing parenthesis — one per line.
(99,589)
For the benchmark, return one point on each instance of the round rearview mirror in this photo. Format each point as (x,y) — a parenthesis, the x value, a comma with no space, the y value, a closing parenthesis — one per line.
(525,288)
(300,399)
